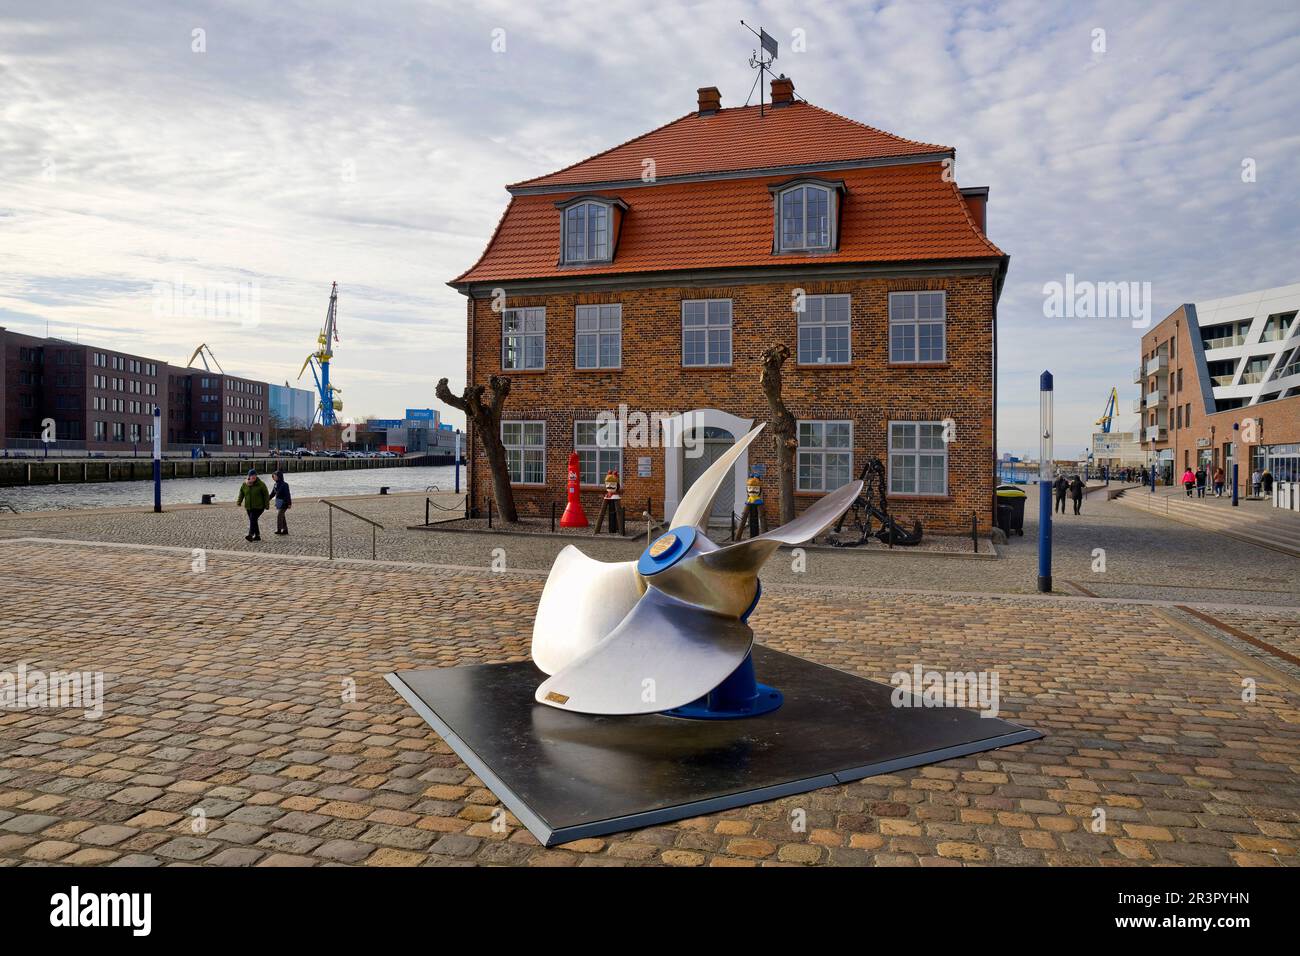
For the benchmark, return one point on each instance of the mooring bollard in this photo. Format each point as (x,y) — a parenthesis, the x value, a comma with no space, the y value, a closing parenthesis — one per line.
(206,499)
(383,489)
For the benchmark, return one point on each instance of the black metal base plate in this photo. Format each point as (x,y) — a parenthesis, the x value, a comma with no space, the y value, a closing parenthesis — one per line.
(567,776)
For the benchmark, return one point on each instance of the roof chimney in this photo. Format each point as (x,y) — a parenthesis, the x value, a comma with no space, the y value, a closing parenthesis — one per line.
(710,100)
(782,91)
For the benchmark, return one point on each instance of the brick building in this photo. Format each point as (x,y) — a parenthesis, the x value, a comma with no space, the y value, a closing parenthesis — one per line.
(102,400)
(99,399)
(1213,364)
(651,277)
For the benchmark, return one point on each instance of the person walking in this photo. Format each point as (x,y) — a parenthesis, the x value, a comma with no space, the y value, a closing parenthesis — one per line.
(1254,482)
(283,501)
(1060,486)
(254,498)
(1200,481)
(1189,480)
(1266,481)
(1076,493)
(1218,481)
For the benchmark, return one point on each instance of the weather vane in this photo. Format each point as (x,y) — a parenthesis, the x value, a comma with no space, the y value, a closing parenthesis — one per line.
(757,60)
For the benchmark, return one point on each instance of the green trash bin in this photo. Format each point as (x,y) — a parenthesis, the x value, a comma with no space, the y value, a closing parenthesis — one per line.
(1011,509)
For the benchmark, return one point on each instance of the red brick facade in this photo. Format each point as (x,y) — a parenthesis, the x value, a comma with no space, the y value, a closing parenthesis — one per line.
(870,391)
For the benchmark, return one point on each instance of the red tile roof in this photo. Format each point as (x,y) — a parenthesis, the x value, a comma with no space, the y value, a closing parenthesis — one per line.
(895,212)
(737,139)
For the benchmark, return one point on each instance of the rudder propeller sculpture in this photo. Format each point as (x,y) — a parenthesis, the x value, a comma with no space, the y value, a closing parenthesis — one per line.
(667,632)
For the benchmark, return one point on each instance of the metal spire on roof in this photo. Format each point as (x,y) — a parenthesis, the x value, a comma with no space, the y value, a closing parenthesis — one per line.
(767,44)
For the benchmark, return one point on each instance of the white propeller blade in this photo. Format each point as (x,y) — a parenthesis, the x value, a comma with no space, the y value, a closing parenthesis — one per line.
(583,600)
(750,555)
(665,654)
(698,501)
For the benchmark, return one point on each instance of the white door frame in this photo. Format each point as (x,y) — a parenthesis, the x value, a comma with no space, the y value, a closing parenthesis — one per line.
(675,427)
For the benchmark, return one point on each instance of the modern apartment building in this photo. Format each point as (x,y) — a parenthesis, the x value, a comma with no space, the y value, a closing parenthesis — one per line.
(1211,365)
(649,279)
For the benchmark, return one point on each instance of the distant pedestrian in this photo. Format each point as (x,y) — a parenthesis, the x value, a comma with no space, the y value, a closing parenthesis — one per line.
(1076,492)
(1060,486)
(1189,481)
(254,498)
(1266,480)
(1200,481)
(1255,482)
(1218,482)
(283,501)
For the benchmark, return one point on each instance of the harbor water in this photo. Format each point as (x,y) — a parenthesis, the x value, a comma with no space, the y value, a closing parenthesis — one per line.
(128,494)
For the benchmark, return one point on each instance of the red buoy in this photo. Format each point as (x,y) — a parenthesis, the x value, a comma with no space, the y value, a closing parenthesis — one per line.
(574,516)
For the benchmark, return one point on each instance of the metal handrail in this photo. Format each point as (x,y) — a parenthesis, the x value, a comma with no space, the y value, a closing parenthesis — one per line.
(374,525)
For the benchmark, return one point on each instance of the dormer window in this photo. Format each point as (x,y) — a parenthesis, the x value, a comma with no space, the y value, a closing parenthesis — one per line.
(807,214)
(589,229)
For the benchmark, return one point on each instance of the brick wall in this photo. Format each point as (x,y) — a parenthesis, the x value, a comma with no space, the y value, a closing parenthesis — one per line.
(870,391)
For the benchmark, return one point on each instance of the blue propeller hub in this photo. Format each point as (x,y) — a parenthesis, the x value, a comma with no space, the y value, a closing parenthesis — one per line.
(666,550)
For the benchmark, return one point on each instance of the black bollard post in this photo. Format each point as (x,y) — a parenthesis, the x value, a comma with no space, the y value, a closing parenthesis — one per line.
(552,517)
(489,512)
(974,533)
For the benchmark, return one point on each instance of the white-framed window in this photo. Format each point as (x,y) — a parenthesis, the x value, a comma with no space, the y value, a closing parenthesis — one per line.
(804,214)
(824,330)
(596,443)
(599,336)
(918,459)
(917,322)
(706,332)
(825,456)
(525,451)
(588,230)
(523,339)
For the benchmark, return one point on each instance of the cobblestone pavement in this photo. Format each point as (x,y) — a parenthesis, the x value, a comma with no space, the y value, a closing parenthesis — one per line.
(1145,556)
(230,736)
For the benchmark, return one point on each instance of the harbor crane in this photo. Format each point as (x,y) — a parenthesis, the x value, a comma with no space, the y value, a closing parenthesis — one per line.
(319,363)
(203,352)
(1112,409)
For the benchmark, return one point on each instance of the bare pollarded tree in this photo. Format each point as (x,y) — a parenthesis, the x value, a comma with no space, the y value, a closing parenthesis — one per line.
(486,417)
(783,426)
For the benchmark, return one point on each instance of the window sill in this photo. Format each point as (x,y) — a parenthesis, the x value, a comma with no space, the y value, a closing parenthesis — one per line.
(598,371)
(819,365)
(527,484)
(944,364)
(890,496)
(707,368)
(522,371)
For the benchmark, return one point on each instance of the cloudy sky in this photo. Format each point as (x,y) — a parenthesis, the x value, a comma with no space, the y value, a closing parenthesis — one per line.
(291,144)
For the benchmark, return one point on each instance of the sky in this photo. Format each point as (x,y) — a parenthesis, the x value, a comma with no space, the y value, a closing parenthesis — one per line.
(258,151)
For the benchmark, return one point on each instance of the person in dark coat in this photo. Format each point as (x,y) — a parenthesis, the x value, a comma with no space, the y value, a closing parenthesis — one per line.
(1200,481)
(1076,493)
(254,498)
(1060,486)
(283,501)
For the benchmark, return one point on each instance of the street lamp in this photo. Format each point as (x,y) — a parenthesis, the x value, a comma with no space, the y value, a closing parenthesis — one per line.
(1045,482)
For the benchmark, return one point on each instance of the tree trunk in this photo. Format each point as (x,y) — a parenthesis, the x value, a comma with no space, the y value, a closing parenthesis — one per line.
(487,425)
(783,427)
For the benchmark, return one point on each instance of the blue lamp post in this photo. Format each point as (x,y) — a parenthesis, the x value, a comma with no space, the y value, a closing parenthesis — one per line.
(456,461)
(1045,482)
(157,458)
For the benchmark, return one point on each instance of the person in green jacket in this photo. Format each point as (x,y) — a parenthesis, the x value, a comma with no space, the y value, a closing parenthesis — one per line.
(254,498)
